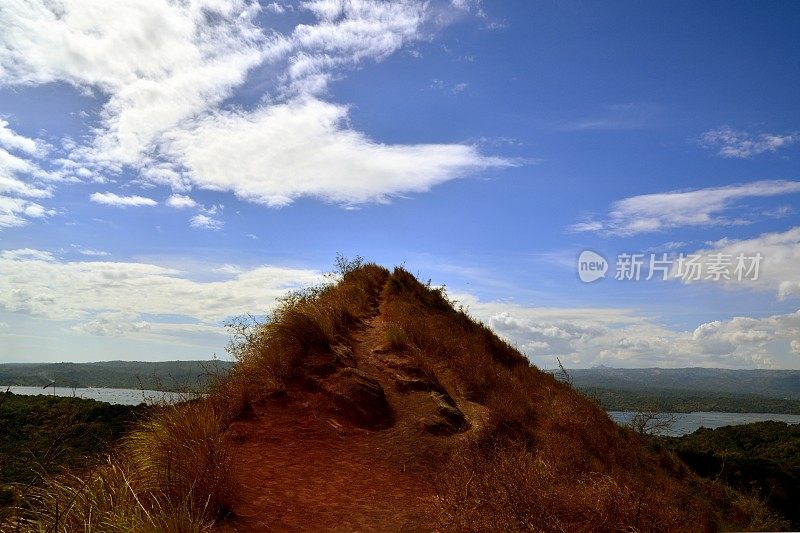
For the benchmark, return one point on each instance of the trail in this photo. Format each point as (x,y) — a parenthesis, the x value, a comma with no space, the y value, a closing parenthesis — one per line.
(305,468)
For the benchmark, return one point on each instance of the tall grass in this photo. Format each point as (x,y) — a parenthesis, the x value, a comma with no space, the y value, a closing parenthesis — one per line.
(172,473)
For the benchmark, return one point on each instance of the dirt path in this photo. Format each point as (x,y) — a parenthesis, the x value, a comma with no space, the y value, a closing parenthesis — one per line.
(303,468)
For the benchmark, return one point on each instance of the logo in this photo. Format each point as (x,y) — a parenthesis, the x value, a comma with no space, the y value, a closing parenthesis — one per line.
(591,266)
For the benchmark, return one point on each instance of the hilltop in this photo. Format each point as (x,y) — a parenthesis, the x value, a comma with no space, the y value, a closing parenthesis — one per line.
(372,404)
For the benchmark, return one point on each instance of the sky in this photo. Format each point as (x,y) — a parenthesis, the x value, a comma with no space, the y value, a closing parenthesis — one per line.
(166,166)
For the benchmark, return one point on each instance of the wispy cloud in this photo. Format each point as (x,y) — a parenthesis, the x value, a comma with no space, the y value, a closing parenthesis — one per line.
(624,116)
(731,143)
(205,222)
(448,88)
(109,198)
(701,207)
(21,178)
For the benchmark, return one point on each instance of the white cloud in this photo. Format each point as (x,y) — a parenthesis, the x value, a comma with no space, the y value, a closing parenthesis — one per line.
(161,62)
(109,198)
(13,141)
(739,144)
(166,67)
(279,153)
(94,253)
(345,34)
(179,201)
(158,61)
(23,254)
(16,212)
(21,177)
(700,207)
(110,298)
(455,88)
(587,336)
(779,270)
(205,222)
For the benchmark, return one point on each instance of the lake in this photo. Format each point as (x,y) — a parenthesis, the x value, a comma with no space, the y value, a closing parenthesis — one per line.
(684,422)
(117,396)
(690,422)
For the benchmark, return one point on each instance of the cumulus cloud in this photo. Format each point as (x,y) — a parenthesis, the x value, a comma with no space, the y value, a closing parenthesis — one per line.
(700,207)
(732,143)
(279,153)
(109,198)
(116,298)
(778,270)
(591,336)
(179,201)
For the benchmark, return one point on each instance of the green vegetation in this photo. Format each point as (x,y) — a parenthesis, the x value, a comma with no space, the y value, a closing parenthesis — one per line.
(783,384)
(763,458)
(687,401)
(163,375)
(41,435)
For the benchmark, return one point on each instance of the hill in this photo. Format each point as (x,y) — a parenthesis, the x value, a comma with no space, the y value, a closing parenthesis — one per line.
(161,375)
(687,401)
(783,384)
(372,404)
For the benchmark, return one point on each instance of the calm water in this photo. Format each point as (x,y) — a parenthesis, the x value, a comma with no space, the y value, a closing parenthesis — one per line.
(118,396)
(684,422)
(690,422)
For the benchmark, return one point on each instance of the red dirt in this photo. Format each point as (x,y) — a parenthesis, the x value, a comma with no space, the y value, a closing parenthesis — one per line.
(303,467)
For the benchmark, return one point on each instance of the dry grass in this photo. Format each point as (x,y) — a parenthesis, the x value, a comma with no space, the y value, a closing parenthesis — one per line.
(305,322)
(170,474)
(549,459)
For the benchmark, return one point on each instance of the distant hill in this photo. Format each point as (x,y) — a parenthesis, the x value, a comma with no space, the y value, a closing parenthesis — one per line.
(162,375)
(784,384)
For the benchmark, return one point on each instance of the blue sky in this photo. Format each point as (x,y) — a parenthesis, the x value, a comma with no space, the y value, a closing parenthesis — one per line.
(166,166)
